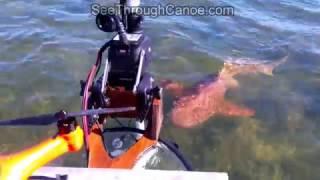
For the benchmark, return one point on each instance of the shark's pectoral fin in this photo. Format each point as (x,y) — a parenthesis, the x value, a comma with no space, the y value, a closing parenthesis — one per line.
(228,108)
(174,88)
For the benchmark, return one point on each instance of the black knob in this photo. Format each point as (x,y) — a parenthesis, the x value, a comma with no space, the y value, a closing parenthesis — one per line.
(106,23)
(134,22)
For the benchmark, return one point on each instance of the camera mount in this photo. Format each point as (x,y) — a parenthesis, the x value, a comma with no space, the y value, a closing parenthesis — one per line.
(125,81)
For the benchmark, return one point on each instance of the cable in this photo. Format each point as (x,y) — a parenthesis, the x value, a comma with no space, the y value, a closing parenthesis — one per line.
(100,53)
(89,82)
(123,126)
(118,121)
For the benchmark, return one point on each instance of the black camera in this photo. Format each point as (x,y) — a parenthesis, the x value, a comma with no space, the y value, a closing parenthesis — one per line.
(129,53)
(108,22)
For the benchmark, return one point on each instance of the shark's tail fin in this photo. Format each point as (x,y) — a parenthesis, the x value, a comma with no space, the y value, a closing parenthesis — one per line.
(270,67)
(247,66)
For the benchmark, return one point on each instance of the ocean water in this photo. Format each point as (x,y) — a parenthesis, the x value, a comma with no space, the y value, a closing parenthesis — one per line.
(47,47)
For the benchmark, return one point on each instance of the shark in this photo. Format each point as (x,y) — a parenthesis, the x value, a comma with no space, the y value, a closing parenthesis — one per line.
(207,98)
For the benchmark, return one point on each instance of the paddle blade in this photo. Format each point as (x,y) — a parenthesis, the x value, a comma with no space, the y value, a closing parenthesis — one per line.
(42,120)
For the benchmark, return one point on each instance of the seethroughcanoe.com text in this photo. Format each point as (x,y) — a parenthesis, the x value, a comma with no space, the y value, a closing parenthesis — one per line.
(165,10)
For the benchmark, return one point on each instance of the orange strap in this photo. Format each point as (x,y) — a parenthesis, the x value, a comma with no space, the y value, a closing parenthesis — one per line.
(155,120)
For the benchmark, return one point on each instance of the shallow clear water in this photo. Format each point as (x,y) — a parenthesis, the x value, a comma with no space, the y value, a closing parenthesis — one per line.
(48,46)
